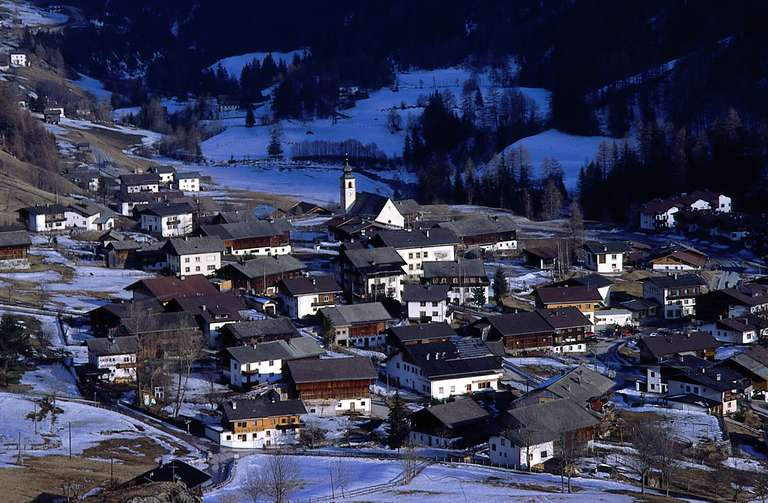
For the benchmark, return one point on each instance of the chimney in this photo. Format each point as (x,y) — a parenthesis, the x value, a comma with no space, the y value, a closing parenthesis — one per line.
(427,356)
(234,405)
(426,232)
(718,376)
(202,307)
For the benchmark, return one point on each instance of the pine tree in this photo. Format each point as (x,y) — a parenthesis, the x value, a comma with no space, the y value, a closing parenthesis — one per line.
(459,193)
(275,148)
(500,286)
(250,120)
(551,200)
(398,426)
(478,296)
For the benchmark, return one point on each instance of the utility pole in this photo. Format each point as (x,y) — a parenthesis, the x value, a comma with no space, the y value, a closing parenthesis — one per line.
(70,440)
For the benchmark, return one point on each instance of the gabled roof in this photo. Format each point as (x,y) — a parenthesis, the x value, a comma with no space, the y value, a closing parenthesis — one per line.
(666,345)
(304,285)
(160,322)
(754,360)
(187,175)
(248,229)
(168,287)
(294,348)
(44,209)
(593,280)
(580,385)
(370,259)
(564,317)
(597,247)
(454,358)
(268,327)
(367,205)
(457,413)
(193,245)
(140,179)
(216,307)
(407,206)
(332,369)
(351,314)
(736,324)
(566,294)
(167,209)
(268,266)
(548,421)
(445,269)
(15,238)
(685,257)
(240,410)
(406,333)
(480,225)
(717,377)
(425,293)
(404,239)
(174,471)
(518,324)
(113,345)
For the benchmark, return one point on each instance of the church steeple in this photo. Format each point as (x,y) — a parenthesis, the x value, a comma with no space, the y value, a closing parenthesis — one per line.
(347,186)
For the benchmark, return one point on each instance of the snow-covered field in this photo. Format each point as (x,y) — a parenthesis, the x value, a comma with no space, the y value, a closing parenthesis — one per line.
(571,151)
(234,64)
(92,86)
(33,16)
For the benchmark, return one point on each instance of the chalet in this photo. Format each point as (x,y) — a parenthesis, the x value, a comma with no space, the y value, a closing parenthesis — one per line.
(416,247)
(261,423)
(261,275)
(458,424)
(190,256)
(255,237)
(304,295)
(263,362)
(463,276)
(187,181)
(720,384)
(18,60)
(743,300)
(107,318)
(657,374)
(341,228)
(606,319)
(168,220)
(641,309)
(427,303)
(249,333)
(45,218)
(678,260)
(594,280)
(163,332)
(675,294)
(733,330)
(115,356)
(176,472)
(166,288)
(542,256)
(14,249)
(585,387)
(659,214)
(487,233)
(123,254)
(333,386)
(359,325)
(752,363)
(88,217)
(130,204)
(164,173)
(408,335)
(532,432)
(440,370)
(369,274)
(366,205)
(585,299)
(52,115)
(519,332)
(570,328)
(139,182)
(212,312)
(305,209)
(605,257)
(656,348)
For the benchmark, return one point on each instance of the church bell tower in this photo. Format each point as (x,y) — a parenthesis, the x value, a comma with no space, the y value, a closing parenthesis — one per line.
(347,187)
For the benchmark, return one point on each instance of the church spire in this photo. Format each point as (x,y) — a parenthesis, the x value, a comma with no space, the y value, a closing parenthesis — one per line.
(347,167)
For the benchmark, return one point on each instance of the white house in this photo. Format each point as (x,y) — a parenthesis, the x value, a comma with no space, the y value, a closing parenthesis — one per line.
(139,182)
(608,318)
(188,182)
(369,274)
(605,257)
(304,296)
(18,59)
(418,246)
(332,386)
(443,369)
(496,233)
(675,294)
(659,214)
(165,173)
(88,217)
(366,205)
(168,220)
(262,363)
(45,218)
(190,256)
(718,383)
(733,331)
(259,423)
(116,356)
(427,303)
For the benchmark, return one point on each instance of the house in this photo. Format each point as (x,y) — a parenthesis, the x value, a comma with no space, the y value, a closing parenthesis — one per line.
(52,115)
(370,274)
(14,249)
(45,218)
(116,356)
(440,370)
(463,276)
(408,335)
(411,211)
(187,181)
(720,384)
(531,433)
(657,374)
(459,424)
(733,330)
(332,386)
(106,319)
(189,256)
(656,348)
(260,275)
(212,312)
(366,205)
(542,256)
(358,325)
(254,237)
(743,300)
(165,173)
(582,385)
(122,254)
(585,299)
(260,423)
(168,220)
(249,333)
(175,471)
(139,182)
(130,204)
(427,303)
(605,257)
(162,332)
(606,319)
(752,363)
(429,245)
(641,309)
(304,295)
(519,332)
(570,328)
(164,289)
(496,233)
(263,362)
(676,294)
(678,260)
(89,217)
(18,60)
(593,280)
(660,214)
(304,209)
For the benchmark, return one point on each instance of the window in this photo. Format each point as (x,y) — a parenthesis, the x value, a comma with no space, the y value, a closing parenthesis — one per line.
(186,269)
(543,454)
(453,389)
(410,255)
(418,254)
(653,374)
(197,268)
(425,254)
(422,304)
(362,403)
(434,304)
(271,363)
(211,268)
(186,259)
(440,390)
(197,259)
(493,447)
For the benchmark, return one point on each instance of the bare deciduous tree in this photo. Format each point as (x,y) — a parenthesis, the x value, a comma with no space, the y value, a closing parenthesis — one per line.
(280,478)
(409,462)
(571,449)
(645,440)
(187,352)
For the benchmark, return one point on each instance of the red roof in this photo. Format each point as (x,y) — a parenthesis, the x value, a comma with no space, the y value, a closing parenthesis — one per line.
(168,287)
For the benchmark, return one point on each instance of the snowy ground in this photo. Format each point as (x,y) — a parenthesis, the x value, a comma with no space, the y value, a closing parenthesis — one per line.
(90,425)
(234,64)
(33,16)
(92,86)
(520,278)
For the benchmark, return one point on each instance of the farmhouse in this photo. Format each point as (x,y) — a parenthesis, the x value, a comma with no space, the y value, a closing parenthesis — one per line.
(360,325)
(255,237)
(463,276)
(369,274)
(263,362)
(115,356)
(303,296)
(260,423)
(14,249)
(486,233)
(189,256)
(168,220)
(426,303)
(419,246)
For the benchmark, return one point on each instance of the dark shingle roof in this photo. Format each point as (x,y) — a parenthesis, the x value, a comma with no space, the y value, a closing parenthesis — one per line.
(268,266)
(15,238)
(350,314)
(544,422)
(676,280)
(140,179)
(597,247)
(113,346)
(523,323)
(294,348)
(458,412)
(269,327)
(173,471)
(332,369)
(474,268)
(580,385)
(564,317)
(189,246)
(449,359)
(564,294)
(309,285)
(425,293)
(167,210)
(421,331)
(416,239)
(187,175)
(364,259)
(168,287)
(367,205)
(480,225)
(239,410)
(245,230)
(665,345)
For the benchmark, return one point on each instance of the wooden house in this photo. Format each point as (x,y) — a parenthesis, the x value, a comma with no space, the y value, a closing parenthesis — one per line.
(332,386)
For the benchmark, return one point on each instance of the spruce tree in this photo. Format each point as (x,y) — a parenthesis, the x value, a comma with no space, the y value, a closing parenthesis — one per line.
(500,286)
(478,296)
(398,426)
(250,120)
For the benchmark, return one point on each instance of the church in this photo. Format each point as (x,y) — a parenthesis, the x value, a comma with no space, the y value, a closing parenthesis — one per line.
(366,206)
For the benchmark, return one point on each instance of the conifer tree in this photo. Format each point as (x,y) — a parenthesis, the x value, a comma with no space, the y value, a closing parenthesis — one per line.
(500,286)
(398,425)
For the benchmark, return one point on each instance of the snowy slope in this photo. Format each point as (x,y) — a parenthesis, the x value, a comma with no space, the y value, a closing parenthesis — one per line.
(571,151)
(33,16)
(92,86)
(234,64)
